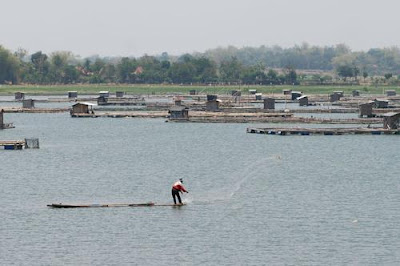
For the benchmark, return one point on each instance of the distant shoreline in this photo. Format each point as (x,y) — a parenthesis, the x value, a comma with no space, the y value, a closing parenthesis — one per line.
(185,89)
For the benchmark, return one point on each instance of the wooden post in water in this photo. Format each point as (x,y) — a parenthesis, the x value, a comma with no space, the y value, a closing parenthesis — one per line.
(1,119)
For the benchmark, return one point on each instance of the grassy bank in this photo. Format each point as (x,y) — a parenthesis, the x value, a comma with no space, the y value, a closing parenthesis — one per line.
(169,89)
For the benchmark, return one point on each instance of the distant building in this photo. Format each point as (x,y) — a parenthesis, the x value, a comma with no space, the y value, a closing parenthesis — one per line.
(303,100)
(138,70)
(82,108)
(341,93)
(211,97)
(269,103)
(102,100)
(178,113)
(72,94)
(192,92)
(236,93)
(28,103)
(19,96)
(32,143)
(365,109)
(287,92)
(105,94)
(334,97)
(213,105)
(356,93)
(296,94)
(119,94)
(252,91)
(391,120)
(258,96)
(178,102)
(381,103)
(390,93)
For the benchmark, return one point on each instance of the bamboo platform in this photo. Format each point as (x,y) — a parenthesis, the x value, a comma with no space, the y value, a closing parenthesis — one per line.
(7,126)
(35,110)
(147,204)
(12,144)
(223,117)
(293,120)
(132,114)
(323,131)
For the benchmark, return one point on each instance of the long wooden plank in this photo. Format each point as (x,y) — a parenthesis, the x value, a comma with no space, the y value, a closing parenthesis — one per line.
(12,142)
(60,205)
(147,204)
(171,205)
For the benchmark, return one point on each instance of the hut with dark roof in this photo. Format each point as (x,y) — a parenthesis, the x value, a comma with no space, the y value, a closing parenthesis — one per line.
(119,94)
(179,113)
(104,94)
(334,97)
(19,96)
(72,94)
(269,103)
(390,93)
(381,103)
(365,109)
(391,120)
(236,93)
(211,97)
(82,108)
(213,105)
(303,100)
(296,94)
(28,103)
(287,92)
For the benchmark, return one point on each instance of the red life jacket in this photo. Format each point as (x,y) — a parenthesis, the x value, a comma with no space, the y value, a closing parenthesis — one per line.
(178,186)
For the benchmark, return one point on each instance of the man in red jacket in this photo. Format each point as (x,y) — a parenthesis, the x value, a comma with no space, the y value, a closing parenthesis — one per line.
(176,188)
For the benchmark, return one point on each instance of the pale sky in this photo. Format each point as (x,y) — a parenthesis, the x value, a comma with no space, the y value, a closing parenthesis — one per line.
(133,27)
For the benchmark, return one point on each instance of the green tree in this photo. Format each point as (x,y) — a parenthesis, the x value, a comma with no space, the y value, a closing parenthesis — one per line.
(125,70)
(71,74)
(58,67)
(388,76)
(254,75)
(365,74)
(206,70)
(345,71)
(230,70)
(40,67)
(9,67)
(182,72)
(272,77)
(290,75)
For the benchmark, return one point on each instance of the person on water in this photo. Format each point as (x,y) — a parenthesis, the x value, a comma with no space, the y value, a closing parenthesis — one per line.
(176,188)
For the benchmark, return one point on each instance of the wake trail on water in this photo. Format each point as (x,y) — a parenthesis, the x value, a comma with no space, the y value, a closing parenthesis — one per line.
(226,193)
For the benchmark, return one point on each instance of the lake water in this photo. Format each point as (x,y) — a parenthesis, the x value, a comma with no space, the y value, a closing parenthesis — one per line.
(254,199)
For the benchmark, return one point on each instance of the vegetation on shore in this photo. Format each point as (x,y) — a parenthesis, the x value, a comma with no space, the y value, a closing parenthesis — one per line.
(171,89)
(267,66)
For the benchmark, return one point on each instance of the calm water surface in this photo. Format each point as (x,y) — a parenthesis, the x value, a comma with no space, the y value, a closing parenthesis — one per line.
(254,199)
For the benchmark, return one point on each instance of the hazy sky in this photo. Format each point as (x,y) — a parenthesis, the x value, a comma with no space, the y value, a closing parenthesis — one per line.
(136,27)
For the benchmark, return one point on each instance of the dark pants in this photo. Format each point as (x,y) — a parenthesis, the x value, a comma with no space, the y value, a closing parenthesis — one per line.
(175,193)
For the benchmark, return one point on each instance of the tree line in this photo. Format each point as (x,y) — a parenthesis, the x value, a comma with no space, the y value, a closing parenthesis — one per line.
(221,65)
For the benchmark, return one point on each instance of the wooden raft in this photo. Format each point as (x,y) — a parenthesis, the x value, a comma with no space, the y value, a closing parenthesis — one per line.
(147,204)
(12,144)
(322,131)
